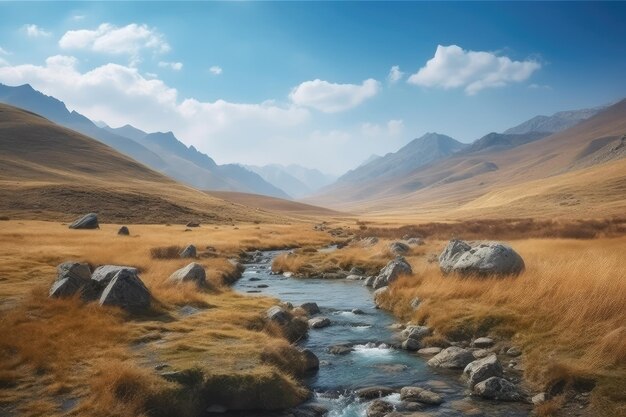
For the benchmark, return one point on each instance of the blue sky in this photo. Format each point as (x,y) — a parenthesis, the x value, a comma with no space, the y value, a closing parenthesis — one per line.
(310,82)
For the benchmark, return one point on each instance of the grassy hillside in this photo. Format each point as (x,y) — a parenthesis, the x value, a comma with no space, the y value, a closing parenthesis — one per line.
(53,173)
(568,173)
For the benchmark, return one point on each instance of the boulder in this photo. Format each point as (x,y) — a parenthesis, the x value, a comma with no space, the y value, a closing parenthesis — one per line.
(420,395)
(399,248)
(482,369)
(278,315)
(480,259)
(453,357)
(191,273)
(311,361)
(391,272)
(379,408)
(369,281)
(71,278)
(355,277)
(483,342)
(193,224)
(416,332)
(88,221)
(481,353)
(357,311)
(188,252)
(415,241)
(319,322)
(370,393)
(105,273)
(411,344)
(310,308)
(340,349)
(123,231)
(378,294)
(127,291)
(429,351)
(496,388)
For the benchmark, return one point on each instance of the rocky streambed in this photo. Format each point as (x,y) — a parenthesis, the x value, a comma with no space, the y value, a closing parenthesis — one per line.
(363,370)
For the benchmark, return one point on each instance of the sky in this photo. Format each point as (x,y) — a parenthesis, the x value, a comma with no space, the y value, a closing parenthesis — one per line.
(321,84)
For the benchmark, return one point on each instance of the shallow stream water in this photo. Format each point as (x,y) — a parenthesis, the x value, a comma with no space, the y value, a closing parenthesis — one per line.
(340,375)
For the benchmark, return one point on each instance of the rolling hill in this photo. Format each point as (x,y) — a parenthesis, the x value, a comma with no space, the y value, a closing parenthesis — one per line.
(573,172)
(162,152)
(54,173)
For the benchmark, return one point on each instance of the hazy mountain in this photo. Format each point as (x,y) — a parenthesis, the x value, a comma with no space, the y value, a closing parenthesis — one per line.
(50,172)
(555,123)
(276,174)
(160,151)
(371,158)
(27,98)
(311,177)
(428,148)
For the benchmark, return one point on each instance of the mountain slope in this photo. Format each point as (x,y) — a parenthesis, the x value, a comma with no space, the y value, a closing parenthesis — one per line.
(555,123)
(582,166)
(51,172)
(160,151)
(276,174)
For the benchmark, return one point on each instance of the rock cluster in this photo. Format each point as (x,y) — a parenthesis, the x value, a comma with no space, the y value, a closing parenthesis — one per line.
(110,285)
(390,273)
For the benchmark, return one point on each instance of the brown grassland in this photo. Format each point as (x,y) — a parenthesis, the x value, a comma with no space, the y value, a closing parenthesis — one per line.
(56,352)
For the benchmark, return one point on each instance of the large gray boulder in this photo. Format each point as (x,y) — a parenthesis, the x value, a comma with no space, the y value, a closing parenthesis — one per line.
(191,273)
(482,369)
(452,358)
(480,259)
(105,273)
(416,332)
(311,361)
(391,272)
(127,291)
(370,393)
(71,278)
(123,231)
(319,322)
(420,395)
(188,252)
(496,388)
(88,221)
(310,308)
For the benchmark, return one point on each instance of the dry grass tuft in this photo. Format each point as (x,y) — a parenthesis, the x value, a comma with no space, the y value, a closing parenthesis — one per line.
(166,252)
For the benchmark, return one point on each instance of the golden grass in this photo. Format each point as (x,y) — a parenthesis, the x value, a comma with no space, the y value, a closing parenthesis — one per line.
(57,350)
(566,311)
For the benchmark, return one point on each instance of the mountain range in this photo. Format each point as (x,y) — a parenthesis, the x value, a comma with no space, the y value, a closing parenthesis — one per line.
(162,152)
(435,173)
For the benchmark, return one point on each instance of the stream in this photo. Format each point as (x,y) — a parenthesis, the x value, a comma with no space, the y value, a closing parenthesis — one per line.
(340,375)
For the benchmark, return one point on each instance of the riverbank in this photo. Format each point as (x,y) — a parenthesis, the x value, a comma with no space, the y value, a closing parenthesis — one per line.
(565,312)
(67,357)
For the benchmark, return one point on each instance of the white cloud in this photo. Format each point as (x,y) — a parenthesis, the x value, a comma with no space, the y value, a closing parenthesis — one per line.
(229,131)
(391,128)
(331,98)
(34,31)
(454,67)
(78,17)
(176,66)
(215,70)
(107,38)
(395,74)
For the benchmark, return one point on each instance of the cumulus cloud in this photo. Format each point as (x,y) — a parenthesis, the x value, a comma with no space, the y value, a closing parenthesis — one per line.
(110,39)
(395,74)
(454,67)
(176,66)
(239,130)
(34,31)
(215,70)
(330,97)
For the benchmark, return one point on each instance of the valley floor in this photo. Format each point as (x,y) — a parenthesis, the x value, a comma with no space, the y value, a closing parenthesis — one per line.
(566,312)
